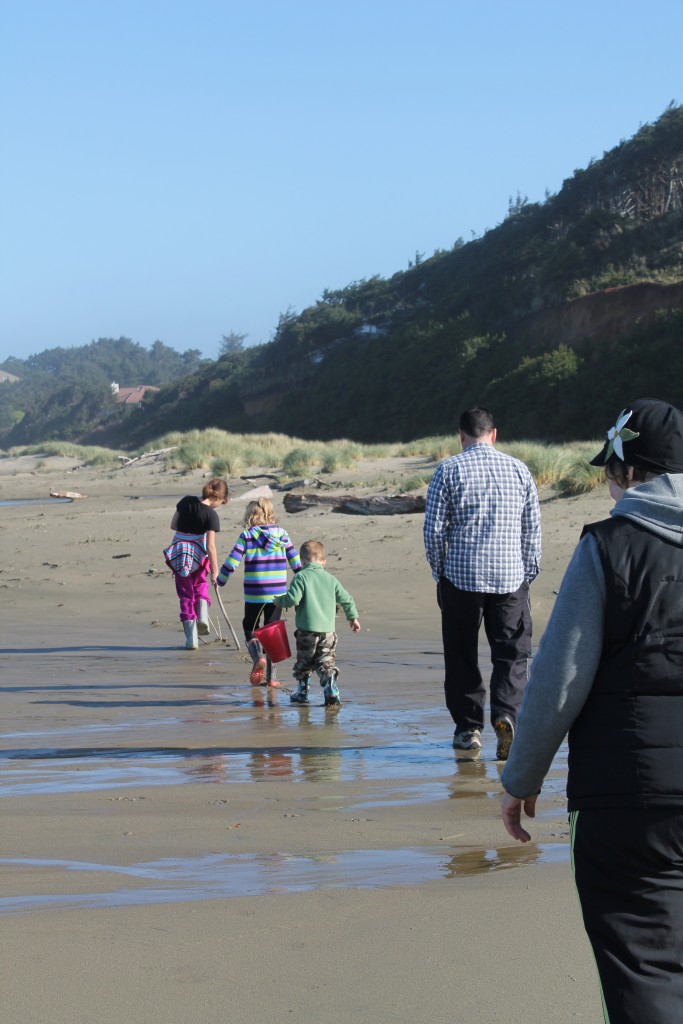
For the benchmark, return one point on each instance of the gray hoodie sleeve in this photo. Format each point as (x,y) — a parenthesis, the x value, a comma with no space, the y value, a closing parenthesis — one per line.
(562,672)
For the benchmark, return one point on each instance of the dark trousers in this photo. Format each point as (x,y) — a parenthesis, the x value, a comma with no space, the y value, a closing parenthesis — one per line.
(252,612)
(507,622)
(628,868)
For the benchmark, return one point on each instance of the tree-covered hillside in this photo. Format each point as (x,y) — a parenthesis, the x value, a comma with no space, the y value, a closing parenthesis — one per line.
(62,392)
(545,318)
(553,319)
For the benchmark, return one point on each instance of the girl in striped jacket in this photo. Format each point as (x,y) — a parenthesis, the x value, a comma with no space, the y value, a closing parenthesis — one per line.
(266,550)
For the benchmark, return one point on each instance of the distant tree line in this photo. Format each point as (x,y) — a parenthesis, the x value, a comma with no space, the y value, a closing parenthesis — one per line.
(65,392)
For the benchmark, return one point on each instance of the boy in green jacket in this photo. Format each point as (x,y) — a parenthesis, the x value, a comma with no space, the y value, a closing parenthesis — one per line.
(315,594)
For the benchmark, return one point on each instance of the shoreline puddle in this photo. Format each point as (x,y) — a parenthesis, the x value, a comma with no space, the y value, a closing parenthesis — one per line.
(7,502)
(116,720)
(82,774)
(226,876)
(25,772)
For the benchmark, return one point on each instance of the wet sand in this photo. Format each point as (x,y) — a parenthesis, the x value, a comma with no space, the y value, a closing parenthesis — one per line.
(177,842)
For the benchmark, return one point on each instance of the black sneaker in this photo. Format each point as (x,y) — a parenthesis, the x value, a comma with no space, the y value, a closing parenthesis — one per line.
(505,733)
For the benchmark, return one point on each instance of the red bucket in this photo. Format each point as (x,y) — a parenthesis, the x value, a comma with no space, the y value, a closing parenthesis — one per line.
(274,640)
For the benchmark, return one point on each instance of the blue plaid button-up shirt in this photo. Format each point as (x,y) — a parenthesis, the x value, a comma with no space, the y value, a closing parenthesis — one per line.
(482,527)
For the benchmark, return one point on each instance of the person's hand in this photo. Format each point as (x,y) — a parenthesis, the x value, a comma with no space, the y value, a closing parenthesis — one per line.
(511,813)
(355,625)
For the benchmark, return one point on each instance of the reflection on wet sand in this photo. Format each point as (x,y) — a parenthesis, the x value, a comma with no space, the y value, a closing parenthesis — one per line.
(220,876)
(260,765)
(70,769)
(388,746)
(477,862)
(471,774)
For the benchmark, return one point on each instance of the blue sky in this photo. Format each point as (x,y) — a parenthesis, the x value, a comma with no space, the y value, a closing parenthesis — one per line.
(176,171)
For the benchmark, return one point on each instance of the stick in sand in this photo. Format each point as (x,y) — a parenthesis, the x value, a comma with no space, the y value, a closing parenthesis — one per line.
(225,615)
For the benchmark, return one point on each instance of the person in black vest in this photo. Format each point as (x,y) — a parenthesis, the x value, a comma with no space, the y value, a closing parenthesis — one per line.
(609,672)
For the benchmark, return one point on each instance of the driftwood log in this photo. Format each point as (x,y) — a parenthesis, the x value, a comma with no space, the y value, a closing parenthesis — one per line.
(391,505)
(126,461)
(67,494)
(307,482)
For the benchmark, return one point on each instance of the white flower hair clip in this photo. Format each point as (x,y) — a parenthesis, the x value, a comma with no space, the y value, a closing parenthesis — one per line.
(619,433)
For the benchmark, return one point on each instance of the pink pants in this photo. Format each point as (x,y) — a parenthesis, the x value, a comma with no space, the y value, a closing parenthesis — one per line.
(191,590)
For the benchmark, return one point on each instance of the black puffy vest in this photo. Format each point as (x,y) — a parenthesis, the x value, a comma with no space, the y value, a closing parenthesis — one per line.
(626,746)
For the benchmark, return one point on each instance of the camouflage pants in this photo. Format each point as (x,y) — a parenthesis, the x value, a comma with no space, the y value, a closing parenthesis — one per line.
(315,652)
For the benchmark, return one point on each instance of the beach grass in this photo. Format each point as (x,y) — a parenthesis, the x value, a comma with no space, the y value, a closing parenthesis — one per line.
(563,467)
(86,455)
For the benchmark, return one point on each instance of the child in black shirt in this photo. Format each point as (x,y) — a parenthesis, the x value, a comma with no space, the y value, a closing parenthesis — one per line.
(192,554)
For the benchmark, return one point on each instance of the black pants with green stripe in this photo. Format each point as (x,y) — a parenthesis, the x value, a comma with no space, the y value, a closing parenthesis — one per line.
(628,867)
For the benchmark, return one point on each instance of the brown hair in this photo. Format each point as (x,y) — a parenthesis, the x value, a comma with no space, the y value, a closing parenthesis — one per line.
(259,513)
(312,551)
(617,470)
(216,488)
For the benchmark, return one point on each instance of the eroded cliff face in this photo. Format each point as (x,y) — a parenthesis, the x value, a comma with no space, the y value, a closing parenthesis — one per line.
(600,317)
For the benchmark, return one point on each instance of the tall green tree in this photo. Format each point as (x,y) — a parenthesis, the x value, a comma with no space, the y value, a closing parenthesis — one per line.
(232,343)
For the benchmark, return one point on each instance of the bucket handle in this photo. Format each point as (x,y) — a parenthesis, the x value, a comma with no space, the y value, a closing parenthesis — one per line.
(260,613)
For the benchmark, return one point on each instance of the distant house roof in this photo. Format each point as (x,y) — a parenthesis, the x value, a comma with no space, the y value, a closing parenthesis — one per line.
(5,376)
(133,396)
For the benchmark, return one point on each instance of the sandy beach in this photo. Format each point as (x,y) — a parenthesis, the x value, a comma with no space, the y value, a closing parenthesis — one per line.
(178,845)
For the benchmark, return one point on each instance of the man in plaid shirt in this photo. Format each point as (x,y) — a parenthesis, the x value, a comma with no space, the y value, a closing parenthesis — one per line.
(482,537)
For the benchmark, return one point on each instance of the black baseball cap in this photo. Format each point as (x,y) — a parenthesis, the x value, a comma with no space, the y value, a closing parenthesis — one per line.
(648,434)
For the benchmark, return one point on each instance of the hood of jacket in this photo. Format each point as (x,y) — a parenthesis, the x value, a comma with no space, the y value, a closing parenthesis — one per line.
(657,505)
(270,538)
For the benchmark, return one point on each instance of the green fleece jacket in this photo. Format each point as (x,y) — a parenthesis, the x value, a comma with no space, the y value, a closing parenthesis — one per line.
(315,594)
